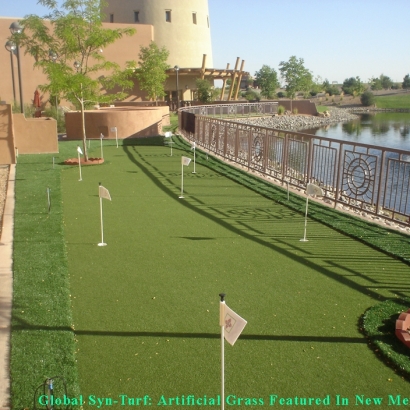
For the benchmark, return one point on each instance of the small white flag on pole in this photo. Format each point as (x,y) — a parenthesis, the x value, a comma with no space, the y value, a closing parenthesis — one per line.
(193,147)
(233,324)
(102,193)
(231,327)
(185,161)
(312,190)
(80,152)
(101,139)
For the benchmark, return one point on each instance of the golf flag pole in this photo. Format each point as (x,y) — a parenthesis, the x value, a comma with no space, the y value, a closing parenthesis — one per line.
(184,161)
(80,152)
(222,324)
(168,134)
(231,328)
(102,193)
(314,190)
(48,200)
(194,148)
(101,138)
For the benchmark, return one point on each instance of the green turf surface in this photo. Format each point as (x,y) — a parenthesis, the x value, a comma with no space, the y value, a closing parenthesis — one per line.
(399,101)
(146,307)
(42,338)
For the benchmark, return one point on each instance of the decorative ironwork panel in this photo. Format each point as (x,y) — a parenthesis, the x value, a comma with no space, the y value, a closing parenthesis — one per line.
(397,188)
(243,149)
(297,160)
(275,153)
(324,168)
(230,141)
(257,149)
(359,172)
(221,137)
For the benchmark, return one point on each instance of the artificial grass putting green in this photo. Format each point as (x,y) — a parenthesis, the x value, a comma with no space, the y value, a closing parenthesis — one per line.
(146,306)
(42,341)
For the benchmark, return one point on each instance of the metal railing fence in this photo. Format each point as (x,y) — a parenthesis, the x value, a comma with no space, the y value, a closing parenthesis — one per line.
(368,179)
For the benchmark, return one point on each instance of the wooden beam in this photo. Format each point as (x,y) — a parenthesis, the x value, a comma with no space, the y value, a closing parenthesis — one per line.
(239,80)
(233,76)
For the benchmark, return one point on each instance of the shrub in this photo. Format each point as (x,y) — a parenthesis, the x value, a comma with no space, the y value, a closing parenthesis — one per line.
(252,95)
(367,99)
(295,111)
(281,110)
(281,94)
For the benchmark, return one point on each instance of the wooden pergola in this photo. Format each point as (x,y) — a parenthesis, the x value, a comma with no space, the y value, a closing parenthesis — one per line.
(217,74)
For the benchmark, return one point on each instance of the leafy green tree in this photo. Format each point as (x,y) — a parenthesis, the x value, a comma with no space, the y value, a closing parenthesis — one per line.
(151,72)
(353,86)
(66,45)
(406,82)
(267,79)
(386,81)
(296,76)
(375,84)
(367,99)
(205,90)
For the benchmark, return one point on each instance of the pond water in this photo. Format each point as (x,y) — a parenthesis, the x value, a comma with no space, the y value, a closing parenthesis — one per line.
(390,130)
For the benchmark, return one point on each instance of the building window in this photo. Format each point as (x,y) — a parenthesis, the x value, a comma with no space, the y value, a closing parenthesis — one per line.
(194,18)
(111,18)
(168,16)
(136,16)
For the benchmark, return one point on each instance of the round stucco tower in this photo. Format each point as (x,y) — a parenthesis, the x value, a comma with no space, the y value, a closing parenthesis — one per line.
(182,26)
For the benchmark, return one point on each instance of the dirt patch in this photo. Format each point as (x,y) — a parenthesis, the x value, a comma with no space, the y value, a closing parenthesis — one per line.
(91,161)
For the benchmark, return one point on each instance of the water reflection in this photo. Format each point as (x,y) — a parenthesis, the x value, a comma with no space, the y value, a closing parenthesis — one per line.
(390,130)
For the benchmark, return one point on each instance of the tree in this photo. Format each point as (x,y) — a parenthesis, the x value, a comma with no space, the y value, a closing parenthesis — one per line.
(205,90)
(406,82)
(67,45)
(386,82)
(353,86)
(383,82)
(375,84)
(367,99)
(267,79)
(151,72)
(296,76)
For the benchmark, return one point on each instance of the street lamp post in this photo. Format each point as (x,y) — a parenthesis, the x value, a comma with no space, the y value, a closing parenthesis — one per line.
(11,47)
(16,28)
(176,68)
(53,56)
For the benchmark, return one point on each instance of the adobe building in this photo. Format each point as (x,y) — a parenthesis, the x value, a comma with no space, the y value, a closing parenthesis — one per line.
(182,26)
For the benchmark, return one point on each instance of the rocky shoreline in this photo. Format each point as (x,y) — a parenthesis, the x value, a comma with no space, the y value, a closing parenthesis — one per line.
(302,122)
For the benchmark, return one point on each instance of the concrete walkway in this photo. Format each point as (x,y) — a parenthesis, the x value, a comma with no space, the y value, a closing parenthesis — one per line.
(6,290)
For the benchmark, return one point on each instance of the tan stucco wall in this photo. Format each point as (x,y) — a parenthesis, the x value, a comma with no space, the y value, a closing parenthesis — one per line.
(186,41)
(131,122)
(123,50)
(7,151)
(35,135)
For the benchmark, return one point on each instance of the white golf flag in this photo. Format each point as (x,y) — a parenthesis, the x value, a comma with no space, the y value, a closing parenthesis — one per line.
(103,193)
(101,135)
(232,323)
(185,161)
(313,189)
(193,146)
(79,150)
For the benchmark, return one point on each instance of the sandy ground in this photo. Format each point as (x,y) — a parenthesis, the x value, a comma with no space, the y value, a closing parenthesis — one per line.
(4,173)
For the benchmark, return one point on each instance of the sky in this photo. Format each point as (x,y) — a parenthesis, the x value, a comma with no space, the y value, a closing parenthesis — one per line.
(337,39)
